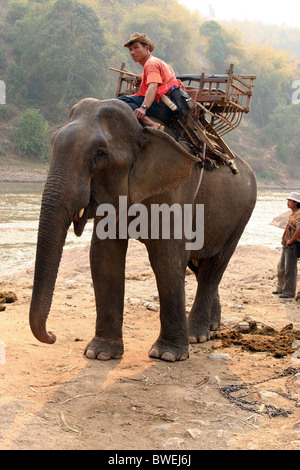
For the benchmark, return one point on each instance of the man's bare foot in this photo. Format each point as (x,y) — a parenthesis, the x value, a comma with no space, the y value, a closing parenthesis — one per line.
(146,121)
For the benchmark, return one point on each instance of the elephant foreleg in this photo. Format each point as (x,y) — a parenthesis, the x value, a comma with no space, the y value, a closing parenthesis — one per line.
(107,259)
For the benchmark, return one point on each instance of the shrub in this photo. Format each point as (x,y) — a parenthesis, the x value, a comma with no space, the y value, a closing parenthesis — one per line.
(7,112)
(32,134)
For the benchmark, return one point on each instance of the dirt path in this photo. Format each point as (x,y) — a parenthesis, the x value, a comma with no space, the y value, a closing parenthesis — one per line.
(54,398)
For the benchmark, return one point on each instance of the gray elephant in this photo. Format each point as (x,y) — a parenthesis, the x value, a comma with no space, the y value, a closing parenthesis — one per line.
(101,154)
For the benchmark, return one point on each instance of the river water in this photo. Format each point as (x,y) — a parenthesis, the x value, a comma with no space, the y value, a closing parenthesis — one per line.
(20,208)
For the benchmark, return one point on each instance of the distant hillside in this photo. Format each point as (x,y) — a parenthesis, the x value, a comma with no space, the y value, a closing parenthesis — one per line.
(55,52)
(271,35)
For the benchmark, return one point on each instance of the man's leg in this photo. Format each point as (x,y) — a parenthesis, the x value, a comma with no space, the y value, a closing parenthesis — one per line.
(281,272)
(157,110)
(290,276)
(136,102)
(161,111)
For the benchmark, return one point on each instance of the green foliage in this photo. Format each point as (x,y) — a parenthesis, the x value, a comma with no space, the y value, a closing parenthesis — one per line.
(17,10)
(59,52)
(56,52)
(221,45)
(2,150)
(7,113)
(284,130)
(32,134)
(273,72)
(174,41)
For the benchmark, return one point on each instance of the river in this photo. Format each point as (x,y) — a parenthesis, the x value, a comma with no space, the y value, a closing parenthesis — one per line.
(20,208)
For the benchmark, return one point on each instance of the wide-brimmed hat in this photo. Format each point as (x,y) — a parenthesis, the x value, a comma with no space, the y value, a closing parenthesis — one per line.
(294,197)
(139,37)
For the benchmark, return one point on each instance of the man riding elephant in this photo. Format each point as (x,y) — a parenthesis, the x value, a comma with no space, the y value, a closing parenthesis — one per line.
(158,78)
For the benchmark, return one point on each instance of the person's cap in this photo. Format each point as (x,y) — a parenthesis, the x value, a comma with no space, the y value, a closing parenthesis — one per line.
(294,197)
(139,37)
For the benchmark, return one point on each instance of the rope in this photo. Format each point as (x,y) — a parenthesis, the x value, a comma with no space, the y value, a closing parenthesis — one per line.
(202,170)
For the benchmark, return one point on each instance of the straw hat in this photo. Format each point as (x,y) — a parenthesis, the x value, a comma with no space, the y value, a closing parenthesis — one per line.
(139,37)
(294,197)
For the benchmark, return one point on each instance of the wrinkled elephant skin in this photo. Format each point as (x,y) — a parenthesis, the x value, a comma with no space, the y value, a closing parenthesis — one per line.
(101,154)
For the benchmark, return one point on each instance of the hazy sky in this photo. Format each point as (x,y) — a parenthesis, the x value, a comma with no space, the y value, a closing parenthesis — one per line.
(285,12)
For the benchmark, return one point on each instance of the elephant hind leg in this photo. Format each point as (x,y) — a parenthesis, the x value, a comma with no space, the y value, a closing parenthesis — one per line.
(199,320)
(215,319)
(169,266)
(205,315)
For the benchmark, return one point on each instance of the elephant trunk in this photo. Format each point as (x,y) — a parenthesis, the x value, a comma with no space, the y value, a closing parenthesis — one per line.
(55,220)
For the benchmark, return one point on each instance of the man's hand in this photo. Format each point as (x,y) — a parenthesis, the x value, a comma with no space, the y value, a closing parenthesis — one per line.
(148,100)
(294,237)
(140,112)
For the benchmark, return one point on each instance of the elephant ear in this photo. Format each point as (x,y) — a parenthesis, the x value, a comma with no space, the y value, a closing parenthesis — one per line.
(161,164)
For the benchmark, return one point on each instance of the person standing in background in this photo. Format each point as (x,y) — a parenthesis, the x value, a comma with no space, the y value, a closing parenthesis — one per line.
(287,266)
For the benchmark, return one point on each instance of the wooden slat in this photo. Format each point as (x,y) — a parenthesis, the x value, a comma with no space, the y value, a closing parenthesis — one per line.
(238,78)
(209,98)
(195,127)
(242,90)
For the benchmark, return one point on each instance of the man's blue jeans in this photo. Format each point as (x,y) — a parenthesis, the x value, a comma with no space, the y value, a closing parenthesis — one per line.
(157,110)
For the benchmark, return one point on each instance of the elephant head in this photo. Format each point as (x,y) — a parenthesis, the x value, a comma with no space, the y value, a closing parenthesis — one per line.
(101,153)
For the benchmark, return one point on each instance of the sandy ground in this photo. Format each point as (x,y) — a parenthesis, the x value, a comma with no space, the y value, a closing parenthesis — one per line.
(52,397)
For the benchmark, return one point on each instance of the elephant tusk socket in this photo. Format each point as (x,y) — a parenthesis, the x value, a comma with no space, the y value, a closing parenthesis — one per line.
(81,213)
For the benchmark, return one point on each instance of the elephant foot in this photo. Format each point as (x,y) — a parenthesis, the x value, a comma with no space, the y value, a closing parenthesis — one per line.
(201,336)
(215,326)
(168,353)
(104,349)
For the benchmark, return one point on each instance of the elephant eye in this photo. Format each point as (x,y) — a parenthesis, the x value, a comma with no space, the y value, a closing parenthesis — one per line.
(99,160)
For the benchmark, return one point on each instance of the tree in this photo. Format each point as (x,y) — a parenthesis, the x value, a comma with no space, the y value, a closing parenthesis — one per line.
(221,46)
(174,41)
(274,72)
(284,130)
(32,134)
(60,50)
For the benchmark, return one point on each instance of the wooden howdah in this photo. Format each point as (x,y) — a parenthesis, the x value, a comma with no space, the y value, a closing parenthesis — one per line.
(220,103)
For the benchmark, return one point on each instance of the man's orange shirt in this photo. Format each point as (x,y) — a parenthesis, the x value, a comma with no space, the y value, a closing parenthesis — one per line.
(157,71)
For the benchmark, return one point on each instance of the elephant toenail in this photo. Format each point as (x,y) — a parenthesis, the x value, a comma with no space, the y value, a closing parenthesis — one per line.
(193,339)
(90,354)
(203,339)
(154,353)
(184,357)
(167,356)
(103,356)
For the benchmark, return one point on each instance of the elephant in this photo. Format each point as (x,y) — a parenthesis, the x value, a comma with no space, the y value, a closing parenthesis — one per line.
(103,153)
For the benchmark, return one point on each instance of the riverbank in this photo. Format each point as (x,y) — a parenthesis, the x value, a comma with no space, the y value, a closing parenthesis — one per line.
(22,172)
(26,171)
(52,397)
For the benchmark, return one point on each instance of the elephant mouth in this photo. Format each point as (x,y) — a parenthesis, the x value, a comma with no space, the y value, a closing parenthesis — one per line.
(82,217)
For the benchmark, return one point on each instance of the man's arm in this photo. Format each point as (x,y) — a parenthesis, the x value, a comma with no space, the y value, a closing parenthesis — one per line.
(148,100)
(294,237)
